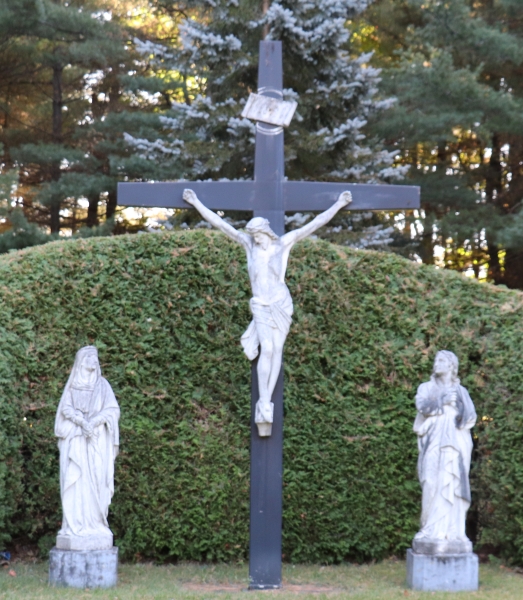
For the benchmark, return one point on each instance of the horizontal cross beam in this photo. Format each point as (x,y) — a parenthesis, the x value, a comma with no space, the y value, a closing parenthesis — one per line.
(241,195)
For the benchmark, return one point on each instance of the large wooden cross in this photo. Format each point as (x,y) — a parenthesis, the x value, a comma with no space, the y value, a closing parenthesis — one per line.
(269,196)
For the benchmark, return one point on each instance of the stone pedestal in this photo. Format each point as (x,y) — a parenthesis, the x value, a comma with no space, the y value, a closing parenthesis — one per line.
(442,572)
(83,568)
(437,547)
(98,541)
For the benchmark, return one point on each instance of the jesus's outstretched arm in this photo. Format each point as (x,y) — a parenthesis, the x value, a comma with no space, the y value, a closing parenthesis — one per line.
(215,220)
(322,219)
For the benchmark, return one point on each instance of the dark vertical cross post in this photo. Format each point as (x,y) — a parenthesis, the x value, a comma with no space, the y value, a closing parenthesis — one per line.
(267,452)
(268,196)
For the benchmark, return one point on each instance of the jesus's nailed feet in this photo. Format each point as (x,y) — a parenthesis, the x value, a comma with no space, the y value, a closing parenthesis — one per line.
(264,416)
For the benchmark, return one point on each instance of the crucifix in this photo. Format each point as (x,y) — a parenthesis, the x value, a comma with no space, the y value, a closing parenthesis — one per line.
(269,197)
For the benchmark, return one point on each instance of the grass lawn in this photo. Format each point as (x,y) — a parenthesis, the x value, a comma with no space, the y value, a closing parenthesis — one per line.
(380,581)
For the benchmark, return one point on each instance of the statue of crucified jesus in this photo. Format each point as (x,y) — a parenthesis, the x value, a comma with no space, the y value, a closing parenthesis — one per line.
(271,302)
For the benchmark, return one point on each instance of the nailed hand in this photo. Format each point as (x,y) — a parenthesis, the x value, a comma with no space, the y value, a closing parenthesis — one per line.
(189,196)
(345,198)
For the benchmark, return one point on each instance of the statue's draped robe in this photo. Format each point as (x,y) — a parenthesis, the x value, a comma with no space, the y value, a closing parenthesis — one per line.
(277,315)
(445,448)
(87,464)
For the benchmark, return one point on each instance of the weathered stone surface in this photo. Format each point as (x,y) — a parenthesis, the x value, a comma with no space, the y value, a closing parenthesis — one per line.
(98,541)
(269,110)
(428,546)
(83,568)
(442,573)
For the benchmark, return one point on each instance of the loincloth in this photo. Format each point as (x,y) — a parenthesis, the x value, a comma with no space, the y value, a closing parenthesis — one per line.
(277,315)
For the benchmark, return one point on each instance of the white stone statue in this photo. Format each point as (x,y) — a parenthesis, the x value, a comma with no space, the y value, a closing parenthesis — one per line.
(271,304)
(87,429)
(445,417)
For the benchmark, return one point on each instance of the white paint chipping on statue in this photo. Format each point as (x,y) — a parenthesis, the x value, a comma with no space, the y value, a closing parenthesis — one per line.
(87,429)
(271,304)
(441,558)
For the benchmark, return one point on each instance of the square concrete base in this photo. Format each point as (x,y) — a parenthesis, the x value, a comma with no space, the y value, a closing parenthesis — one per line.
(442,572)
(83,568)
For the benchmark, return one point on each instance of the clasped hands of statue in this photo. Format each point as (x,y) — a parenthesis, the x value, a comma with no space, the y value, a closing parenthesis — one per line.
(88,425)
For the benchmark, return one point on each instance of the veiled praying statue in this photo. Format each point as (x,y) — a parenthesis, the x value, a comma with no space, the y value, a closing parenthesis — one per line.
(445,417)
(271,304)
(87,429)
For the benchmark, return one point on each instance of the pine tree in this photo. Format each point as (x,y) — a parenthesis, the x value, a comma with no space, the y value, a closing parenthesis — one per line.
(71,50)
(214,67)
(456,70)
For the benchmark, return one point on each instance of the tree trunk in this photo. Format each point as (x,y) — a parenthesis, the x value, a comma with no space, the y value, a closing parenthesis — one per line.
(57,103)
(115,92)
(510,273)
(442,155)
(512,200)
(111,204)
(493,189)
(494,272)
(6,109)
(92,211)
(514,194)
(427,241)
(493,182)
(513,271)
(426,248)
(54,209)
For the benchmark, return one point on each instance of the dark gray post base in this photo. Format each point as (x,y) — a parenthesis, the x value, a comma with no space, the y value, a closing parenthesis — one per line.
(442,572)
(261,586)
(83,568)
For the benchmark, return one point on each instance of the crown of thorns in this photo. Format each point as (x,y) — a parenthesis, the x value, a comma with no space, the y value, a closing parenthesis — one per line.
(260,225)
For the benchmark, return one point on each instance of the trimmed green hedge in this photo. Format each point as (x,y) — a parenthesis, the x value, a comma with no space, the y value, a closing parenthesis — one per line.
(166,312)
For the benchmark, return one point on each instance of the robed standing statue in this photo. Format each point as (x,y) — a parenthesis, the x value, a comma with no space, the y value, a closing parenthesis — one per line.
(445,416)
(87,429)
